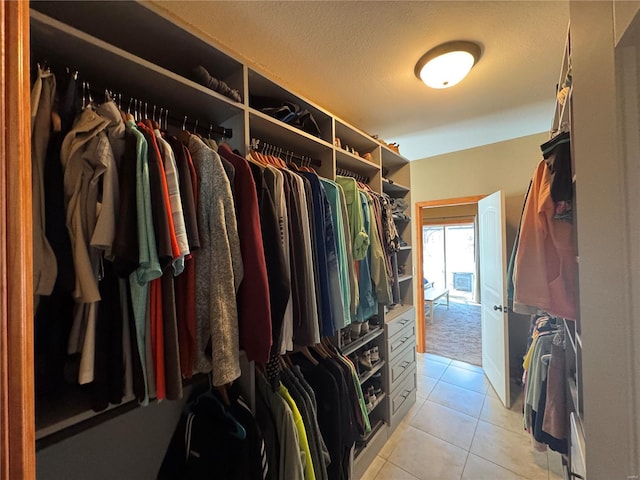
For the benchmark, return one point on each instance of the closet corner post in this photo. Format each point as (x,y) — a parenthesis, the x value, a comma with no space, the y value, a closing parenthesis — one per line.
(17,409)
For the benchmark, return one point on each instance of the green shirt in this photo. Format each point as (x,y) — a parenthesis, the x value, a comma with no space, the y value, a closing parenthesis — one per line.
(359,238)
(333,195)
(149,266)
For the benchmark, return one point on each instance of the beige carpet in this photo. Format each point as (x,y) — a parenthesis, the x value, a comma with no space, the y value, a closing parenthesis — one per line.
(456,333)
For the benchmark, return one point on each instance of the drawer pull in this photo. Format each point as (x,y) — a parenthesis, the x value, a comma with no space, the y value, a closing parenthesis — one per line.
(405,321)
(404,339)
(405,364)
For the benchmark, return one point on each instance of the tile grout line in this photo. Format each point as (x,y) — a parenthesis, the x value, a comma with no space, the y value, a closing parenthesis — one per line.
(398,466)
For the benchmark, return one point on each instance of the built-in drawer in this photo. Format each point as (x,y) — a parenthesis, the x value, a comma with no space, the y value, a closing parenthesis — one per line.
(401,321)
(402,364)
(400,341)
(403,397)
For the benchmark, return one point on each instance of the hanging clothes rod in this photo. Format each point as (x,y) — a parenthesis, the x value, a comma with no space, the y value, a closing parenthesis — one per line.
(164,116)
(348,173)
(286,155)
(142,109)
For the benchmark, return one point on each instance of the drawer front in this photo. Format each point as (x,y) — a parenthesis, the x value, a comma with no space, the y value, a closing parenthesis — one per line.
(397,324)
(403,393)
(402,364)
(400,341)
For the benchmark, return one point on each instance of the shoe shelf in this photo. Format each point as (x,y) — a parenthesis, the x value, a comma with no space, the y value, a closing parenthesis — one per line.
(364,439)
(404,278)
(351,137)
(402,220)
(355,164)
(391,159)
(394,189)
(370,373)
(64,45)
(114,23)
(379,399)
(351,347)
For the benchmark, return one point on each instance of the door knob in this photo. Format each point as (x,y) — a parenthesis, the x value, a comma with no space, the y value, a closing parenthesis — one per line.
(497,307)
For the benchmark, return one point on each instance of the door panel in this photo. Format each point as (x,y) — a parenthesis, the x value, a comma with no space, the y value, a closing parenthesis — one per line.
(493,294)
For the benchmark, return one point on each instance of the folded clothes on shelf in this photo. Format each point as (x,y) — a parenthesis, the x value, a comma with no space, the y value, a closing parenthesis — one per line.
(203,77)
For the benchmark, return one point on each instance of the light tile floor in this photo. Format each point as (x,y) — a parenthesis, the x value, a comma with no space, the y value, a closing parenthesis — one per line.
(459,430)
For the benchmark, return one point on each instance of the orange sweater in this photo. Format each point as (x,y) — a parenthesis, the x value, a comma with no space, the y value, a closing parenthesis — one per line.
(545,274)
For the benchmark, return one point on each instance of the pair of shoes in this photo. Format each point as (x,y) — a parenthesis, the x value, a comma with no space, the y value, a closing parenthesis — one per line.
(355,330)
(374,321)
(345,335)
(364,328)
(368,358)
(364,360)
(358,329)
(376,383)
(375,354)
(370,397)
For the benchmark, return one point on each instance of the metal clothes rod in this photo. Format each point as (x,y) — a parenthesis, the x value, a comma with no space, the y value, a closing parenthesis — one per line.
(348,173)
(88,91)
(269,149)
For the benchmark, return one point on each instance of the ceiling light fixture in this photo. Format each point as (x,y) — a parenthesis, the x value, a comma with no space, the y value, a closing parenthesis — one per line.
(446,65)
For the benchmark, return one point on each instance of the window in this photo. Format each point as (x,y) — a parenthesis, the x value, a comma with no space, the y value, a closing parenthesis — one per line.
(449,256)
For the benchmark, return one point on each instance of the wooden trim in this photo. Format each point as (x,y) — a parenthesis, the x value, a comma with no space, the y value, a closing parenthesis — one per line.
(450,202)
(16,283)
(448,221)
(421,343)
(421,340)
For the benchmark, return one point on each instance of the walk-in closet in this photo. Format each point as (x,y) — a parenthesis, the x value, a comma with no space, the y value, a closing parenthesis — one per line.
(209,266)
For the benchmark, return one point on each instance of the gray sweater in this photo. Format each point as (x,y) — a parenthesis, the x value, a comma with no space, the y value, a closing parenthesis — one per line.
(218,266)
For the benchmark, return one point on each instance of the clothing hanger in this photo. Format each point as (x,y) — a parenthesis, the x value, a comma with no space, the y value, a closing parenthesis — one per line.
(319,348)
(330,347)
(305,352)
(86,94)
(254,155)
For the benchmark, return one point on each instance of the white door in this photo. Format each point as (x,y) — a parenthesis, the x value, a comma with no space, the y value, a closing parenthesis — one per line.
(493,294)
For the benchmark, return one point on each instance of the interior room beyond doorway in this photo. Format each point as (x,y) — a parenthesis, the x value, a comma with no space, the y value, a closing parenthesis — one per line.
(447,254)
(449,241)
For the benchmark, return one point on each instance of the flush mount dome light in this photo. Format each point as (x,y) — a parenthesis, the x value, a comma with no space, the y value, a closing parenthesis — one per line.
(446,65)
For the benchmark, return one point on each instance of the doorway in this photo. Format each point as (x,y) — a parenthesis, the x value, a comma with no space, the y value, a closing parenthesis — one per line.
(453,328)
(432,214)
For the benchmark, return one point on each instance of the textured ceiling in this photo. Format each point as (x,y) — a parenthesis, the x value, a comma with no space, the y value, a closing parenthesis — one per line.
(356,59)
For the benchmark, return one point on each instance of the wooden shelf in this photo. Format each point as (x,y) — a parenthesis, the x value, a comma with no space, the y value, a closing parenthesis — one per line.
(392,160)
(355,138)
(379,399)
(356,164)
(404,278)
(406,248)
(393,189)
(375,428)
(376,368)
(126,73)
(272,130)
(402,219)
(366,338)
